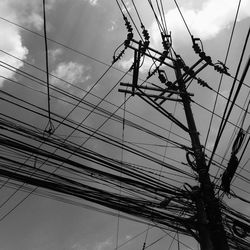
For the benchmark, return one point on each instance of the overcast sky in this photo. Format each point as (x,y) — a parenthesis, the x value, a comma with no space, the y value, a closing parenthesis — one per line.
(95,28)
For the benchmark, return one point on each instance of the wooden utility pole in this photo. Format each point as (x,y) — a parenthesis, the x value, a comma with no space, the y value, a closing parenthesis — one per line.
(212,235)
(211,230)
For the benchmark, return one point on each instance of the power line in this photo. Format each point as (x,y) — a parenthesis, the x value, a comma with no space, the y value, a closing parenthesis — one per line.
(225,61)
(72,186)
(177,5)
(79,88)
(50,127)
(226,116)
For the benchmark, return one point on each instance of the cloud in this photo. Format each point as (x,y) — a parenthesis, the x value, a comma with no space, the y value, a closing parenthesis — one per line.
(54,54)
(205,23)
(113,26)
(104,245)
(78,246)
(148,64)
(128,237)
(26,13)
(92,2)
(128,7)
(10,42)
(126,64)
(71,72)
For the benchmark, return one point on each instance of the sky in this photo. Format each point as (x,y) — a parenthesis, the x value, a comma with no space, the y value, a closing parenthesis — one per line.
(83,35)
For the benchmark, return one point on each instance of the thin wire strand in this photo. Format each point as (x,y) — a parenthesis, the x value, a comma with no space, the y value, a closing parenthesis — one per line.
(50,127)
(177,5)
(225,61)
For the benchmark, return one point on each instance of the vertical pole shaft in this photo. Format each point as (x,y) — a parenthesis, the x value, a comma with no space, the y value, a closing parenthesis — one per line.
(213,235)
(204,235)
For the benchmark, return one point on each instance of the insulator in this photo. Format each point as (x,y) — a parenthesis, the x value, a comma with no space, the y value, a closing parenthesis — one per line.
(169,84)
(144,246)
(191,72)
(188,71)
(162,78)
(166,45)
(115,59)
(146,44)
(202,55)
(186,68)
(129,38)
(196,48)
(203,83)
(126,43)
(129,28)
(180,63)
(205,57)
(220,69)
(127,24)
(145,34)
(166,41)
(144,47)
(163,55)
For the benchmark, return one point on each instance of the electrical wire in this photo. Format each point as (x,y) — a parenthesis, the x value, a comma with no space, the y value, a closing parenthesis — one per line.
(224,120)
(50,127)
(177,5)
(67,186)
(225,61)
(69,94)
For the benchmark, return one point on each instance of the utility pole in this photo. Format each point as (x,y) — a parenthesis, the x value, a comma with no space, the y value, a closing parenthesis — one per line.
(212,235)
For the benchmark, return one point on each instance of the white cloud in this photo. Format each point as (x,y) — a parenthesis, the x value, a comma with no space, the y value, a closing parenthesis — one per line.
(128,237)
(147,65)
(92,2)
(54,54)
(205,23)
(10,42)
(26,13)
(71,72)
(104,245)
(126,64)
(113,26)
(128,7)
(78,246)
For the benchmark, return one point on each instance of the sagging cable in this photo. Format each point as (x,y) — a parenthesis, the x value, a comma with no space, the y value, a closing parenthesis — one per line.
(50,127)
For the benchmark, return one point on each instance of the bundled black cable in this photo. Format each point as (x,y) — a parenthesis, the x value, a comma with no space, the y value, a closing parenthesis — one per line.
(229,173)
(233,162)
